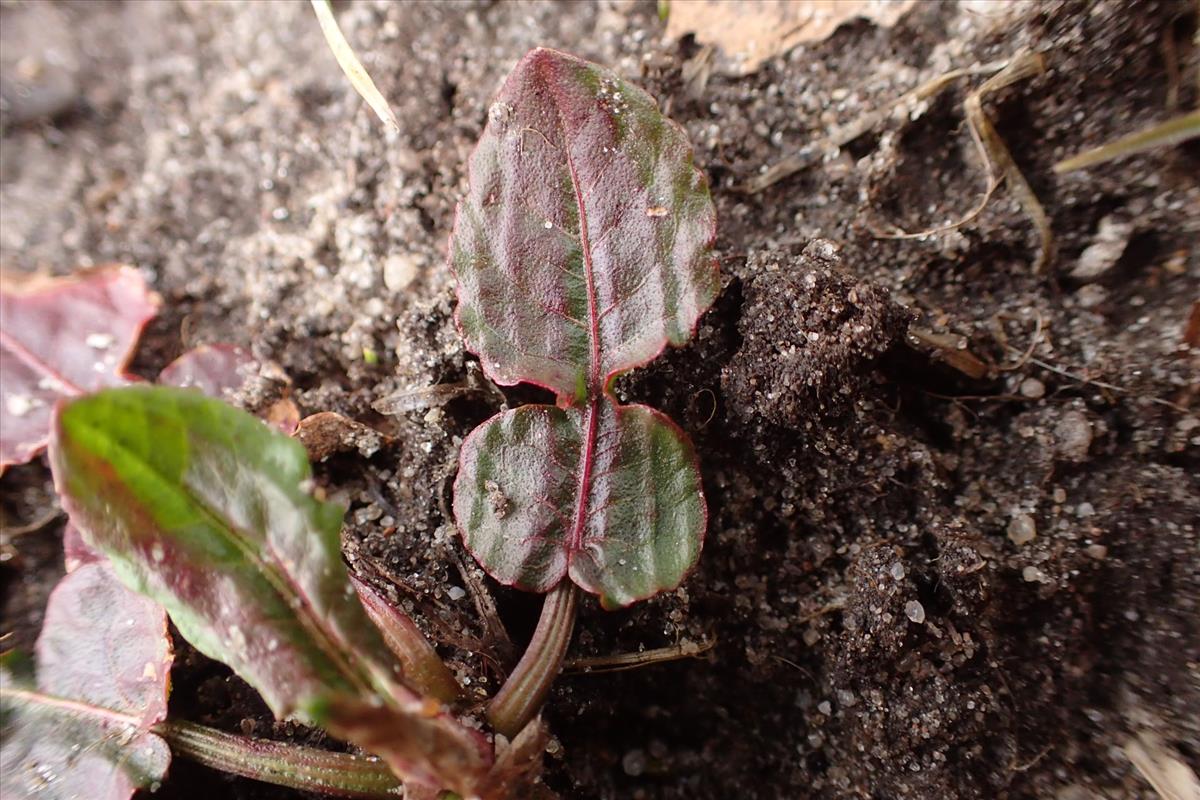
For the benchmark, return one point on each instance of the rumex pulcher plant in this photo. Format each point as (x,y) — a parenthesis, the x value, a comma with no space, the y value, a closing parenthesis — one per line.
(582,249)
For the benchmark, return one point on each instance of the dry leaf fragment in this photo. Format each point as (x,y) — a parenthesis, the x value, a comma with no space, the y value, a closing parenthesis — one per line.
(750,32)
(328,432)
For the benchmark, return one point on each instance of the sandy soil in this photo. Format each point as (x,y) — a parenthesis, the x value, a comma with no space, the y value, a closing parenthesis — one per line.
(956,565)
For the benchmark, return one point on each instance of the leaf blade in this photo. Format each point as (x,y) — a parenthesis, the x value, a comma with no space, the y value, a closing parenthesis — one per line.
(208,510)
(520,469)
(584,244)
(158,460)
(83,730)
(60,337)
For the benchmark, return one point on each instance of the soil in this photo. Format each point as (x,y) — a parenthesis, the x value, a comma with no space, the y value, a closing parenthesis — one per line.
(953,548)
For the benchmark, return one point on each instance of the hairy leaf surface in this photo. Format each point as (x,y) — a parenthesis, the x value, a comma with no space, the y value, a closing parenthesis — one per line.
(210,512)
(609,495)
(103,671)
(61,337)
(583,245)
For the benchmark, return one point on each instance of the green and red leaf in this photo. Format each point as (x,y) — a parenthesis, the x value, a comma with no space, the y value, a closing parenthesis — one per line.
(62,337)
(609,495)
(423,669)
(103,674)
(584,244)
(208,511)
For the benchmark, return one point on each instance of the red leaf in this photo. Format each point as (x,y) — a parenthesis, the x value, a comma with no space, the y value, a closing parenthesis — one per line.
(61,337)
(103,672)
(77,552)
(215,369)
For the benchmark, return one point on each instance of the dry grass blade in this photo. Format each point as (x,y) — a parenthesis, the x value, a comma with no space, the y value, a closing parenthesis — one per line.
(623,661)
(1173,131)
(998,161)
(1162,768)
(350,64)
(841,136)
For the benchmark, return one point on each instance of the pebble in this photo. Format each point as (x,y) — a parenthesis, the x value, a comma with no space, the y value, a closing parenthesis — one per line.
(400,270)
(1033,388)
(915,611)
(1073,436)
(456,593)
(1022,529)
(634,763)
(1097,551)
(1112,235)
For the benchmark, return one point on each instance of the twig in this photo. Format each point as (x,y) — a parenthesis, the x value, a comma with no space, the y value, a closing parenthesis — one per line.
(350,65)
(45,519)
(485,606)
(1091,381)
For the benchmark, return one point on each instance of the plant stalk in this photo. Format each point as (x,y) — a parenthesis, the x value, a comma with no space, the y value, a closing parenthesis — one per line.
(291,765)
(522,695)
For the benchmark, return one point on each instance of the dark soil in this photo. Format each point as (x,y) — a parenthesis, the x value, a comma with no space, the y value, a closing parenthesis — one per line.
(955,560)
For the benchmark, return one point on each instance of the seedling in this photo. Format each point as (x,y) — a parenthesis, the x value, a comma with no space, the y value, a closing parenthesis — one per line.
(582,250)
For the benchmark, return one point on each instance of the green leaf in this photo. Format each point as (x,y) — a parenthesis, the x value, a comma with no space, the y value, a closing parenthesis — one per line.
(609,495)
(208,511)
(83,730)
(584,244)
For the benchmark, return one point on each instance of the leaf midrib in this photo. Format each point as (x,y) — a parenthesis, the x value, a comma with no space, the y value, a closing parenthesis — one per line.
(594,387)
(276,577)
(78,707)
(37,364)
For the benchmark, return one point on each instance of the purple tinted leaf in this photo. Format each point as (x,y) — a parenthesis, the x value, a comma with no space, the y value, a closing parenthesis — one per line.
(584,243)
(219,370)
(61,337)
(77,552)
(104,661)
(583,247)
(609,495)
(216,370)
(106,646)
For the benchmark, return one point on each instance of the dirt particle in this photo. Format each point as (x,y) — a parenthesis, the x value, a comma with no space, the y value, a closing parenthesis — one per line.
(1073,436)
(1033,388)
(634,763)
(1106,249)
(1022,529)
(811,333)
